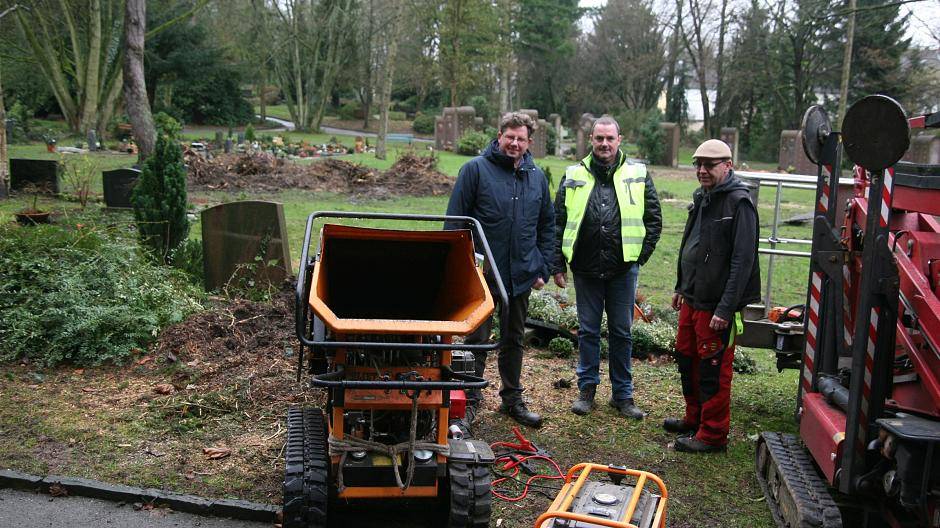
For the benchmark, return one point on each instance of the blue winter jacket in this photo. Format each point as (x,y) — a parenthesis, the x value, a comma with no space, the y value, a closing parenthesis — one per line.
(515,209)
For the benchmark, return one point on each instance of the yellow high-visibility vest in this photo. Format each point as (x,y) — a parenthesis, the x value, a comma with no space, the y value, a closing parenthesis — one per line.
(630,186)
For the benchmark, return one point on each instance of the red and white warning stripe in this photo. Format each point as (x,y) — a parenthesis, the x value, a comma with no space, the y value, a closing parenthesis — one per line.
(812,327)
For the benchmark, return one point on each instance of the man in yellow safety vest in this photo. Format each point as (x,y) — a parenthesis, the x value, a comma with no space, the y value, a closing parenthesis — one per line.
(607,224)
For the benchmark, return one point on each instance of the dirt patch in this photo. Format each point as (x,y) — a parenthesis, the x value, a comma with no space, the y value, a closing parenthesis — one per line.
(261,172)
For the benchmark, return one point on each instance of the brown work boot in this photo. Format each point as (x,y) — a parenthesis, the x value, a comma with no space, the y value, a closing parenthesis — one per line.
(585,402)
(520,413)
(690,444)
(628,408)
(679,426)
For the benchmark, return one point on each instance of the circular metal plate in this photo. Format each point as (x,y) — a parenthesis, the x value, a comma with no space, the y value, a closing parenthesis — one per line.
(816,128)
(605,499)
(875,132)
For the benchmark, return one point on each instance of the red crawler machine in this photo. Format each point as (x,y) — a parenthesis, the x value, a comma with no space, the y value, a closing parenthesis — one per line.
(868,404)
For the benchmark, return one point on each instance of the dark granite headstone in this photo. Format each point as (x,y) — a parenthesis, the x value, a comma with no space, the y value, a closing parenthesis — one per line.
(671,151)
(118,185)
(35,175)
(792,156)
(234,234)
(92,140)
(228,146)
(9,124)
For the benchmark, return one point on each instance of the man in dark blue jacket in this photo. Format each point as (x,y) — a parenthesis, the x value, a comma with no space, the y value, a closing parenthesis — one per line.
(508,194)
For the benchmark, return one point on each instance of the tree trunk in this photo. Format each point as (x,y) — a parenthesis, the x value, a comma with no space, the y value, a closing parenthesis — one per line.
(4,157)
(719,71)
(135,89)
(673,59)
(388,75)
(846,64)
(92,84)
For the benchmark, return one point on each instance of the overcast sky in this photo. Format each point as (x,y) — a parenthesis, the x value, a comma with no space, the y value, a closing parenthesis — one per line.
(926,17)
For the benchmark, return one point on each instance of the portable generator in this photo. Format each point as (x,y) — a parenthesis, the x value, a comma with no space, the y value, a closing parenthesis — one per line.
(377,311)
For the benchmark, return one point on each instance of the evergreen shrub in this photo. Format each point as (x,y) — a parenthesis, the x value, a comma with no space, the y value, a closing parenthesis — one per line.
(83,296)
(159,199)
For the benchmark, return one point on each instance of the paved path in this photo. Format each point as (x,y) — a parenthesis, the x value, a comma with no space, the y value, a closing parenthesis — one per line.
(288,125)
(23,509)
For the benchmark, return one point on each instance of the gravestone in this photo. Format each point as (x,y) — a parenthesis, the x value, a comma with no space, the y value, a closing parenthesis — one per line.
(218,137)
(228,146)
(92,140)
(241,138)
(466,116)
(730,136)
(478,123)
(244,237)
(35,175)
(584,135)
(924,150)
(793,156)
(671,151)
(9,124)
(556,122)
(118,185)
(453,124)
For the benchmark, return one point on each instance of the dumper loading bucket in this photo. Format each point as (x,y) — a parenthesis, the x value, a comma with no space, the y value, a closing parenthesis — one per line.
(384,281)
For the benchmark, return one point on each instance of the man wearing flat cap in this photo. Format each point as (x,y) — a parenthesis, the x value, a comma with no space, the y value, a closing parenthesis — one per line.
(717,276)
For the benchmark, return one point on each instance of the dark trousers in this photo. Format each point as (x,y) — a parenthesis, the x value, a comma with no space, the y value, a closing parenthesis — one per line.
(510,351)
(705,358)
(615,295)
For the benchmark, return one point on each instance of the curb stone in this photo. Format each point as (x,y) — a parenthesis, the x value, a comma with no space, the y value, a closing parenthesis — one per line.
(231,508)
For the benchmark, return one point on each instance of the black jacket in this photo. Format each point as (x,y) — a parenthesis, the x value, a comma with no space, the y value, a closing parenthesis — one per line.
(598,251)
(515,209)
(726,272)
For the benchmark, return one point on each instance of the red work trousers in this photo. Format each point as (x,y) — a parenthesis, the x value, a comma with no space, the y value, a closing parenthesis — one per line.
(705,358)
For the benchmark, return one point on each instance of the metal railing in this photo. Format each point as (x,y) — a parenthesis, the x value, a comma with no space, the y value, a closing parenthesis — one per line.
(780,182)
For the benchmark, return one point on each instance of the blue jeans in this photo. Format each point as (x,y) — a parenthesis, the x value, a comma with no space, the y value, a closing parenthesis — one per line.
(617,295)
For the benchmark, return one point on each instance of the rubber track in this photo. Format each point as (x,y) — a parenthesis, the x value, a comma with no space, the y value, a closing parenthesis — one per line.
(806,499)
(306,470)
(470,500)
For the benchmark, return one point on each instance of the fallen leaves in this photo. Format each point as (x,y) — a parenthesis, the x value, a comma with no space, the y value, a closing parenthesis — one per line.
(164,388)
(58,490)
(216,453)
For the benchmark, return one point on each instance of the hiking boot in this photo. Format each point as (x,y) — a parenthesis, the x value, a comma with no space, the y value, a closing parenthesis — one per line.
(521,414)
(679,426)
(585,402)
(690,444)
(627,408)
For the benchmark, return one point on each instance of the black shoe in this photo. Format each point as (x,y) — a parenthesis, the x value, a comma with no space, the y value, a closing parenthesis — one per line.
(520,413)
(690,444)
(627,408)
(678,426)
(585,402)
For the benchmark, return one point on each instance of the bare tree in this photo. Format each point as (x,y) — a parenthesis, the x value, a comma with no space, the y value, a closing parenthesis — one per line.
(135,87)
(4,155)
(700,42)
(392,32)
(310,34)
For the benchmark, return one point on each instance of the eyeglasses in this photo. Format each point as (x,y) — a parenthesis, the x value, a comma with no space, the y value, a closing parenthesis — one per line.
(708,166)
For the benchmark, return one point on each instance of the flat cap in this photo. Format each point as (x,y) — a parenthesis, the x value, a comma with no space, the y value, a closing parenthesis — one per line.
(713,148)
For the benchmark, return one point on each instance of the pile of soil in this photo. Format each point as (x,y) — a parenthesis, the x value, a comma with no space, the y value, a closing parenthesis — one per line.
(237,339)
(261,172)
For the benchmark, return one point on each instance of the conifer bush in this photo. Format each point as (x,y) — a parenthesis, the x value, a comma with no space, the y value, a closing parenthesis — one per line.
(159,199)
